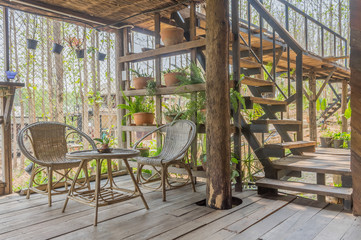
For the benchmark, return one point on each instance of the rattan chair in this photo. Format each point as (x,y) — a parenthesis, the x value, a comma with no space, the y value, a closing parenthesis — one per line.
(47,148)
(179,136)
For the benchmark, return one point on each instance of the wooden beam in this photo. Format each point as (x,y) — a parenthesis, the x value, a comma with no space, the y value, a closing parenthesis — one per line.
(219,194)
(158,78)
(355,64)
(344,127)
(312,108)
(325,83)
(164,51)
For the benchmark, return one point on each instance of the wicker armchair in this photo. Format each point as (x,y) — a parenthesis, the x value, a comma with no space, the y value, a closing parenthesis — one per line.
(179,136)
(49,146)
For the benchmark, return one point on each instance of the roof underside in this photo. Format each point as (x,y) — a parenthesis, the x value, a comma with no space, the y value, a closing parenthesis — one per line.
(101,13)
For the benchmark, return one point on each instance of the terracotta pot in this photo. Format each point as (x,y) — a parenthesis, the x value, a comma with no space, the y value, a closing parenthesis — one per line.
(105,149)
(171,36)
(141,82)
(171,79)
(170,118)
(143,119)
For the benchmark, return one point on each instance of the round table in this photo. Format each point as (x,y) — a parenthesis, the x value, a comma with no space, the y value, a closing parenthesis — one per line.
(109,193)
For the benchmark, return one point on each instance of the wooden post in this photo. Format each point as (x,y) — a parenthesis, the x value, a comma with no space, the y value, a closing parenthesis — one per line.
(312,107)
(299,94)
(120,85)
(236,55)
(355,64)
(219,194)
(344,105)
(192,36)
(6,128)
(158,78)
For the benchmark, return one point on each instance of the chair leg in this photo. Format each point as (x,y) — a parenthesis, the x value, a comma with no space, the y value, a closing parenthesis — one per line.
(50,184)
(139,171)
(32,176)
(85,169)
(163,182)
(187,167)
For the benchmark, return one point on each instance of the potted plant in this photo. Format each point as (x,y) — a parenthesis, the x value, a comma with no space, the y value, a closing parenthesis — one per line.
(141,109)
(151,88)
(144,151)
(172,35)
(171,76)
(104,141)
(76,44)
(337,140)
(326,139)
(191,75)
(172,113)
(57,47)
(141,78)
(347,140)
(31,43)
(10,74)
(101,56)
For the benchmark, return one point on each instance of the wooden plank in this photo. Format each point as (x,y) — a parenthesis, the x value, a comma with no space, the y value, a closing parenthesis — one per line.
(255,82)
(291,145)
(344,193)
(265,101)
(168,90)
(163,51)
(312,164)
(277,121)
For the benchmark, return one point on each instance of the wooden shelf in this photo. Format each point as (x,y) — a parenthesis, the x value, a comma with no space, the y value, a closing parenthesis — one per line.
(168,90)
(163,51)
(291,145)
(133,128)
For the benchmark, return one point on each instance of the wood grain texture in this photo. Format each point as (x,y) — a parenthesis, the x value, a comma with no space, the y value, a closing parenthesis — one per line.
(219,194)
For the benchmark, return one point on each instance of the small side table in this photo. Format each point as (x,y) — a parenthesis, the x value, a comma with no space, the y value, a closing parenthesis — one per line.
(109,193)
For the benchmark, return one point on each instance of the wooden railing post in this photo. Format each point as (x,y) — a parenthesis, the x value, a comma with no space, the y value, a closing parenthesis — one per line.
(299,94)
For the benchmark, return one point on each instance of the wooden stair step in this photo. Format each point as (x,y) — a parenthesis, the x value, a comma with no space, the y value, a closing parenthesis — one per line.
(291,145)
(266,101)
(244,63)
(318,163)
(338,192)
(277,121)
(255,82)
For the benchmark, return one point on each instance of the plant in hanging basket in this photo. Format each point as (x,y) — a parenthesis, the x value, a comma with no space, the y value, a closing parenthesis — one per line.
(57,47)
(31,43)
(101,56)
(10,74)
(76,44)
(104,141)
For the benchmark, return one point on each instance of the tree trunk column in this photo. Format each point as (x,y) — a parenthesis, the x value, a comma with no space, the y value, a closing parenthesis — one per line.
(219,195)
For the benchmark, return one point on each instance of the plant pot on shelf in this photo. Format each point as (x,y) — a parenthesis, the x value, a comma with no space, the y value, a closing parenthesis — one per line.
(171,79)
(31,43)
(144,151)
(326,142)
(141,82)
(79,53)
(143,119)
(10,74)
(101,56)
(337,143)
(172,36)
(170,118)
(57,48)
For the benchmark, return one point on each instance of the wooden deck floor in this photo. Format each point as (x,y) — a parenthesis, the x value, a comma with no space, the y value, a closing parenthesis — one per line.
(281,217)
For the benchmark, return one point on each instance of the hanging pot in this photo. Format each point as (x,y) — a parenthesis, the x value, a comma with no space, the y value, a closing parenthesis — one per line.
(57,48)
(79,53)
(101,56)
(10,74)
(31,43)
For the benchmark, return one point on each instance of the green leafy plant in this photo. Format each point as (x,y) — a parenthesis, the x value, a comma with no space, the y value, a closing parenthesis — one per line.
(327,134)
(151,88)
(348,111)
(140,73)
(104,140)
(175,70)
(174,110)
(193,75)
(139,104)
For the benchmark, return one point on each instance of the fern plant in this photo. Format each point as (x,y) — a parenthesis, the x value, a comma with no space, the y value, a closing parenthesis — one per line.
(137,104)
